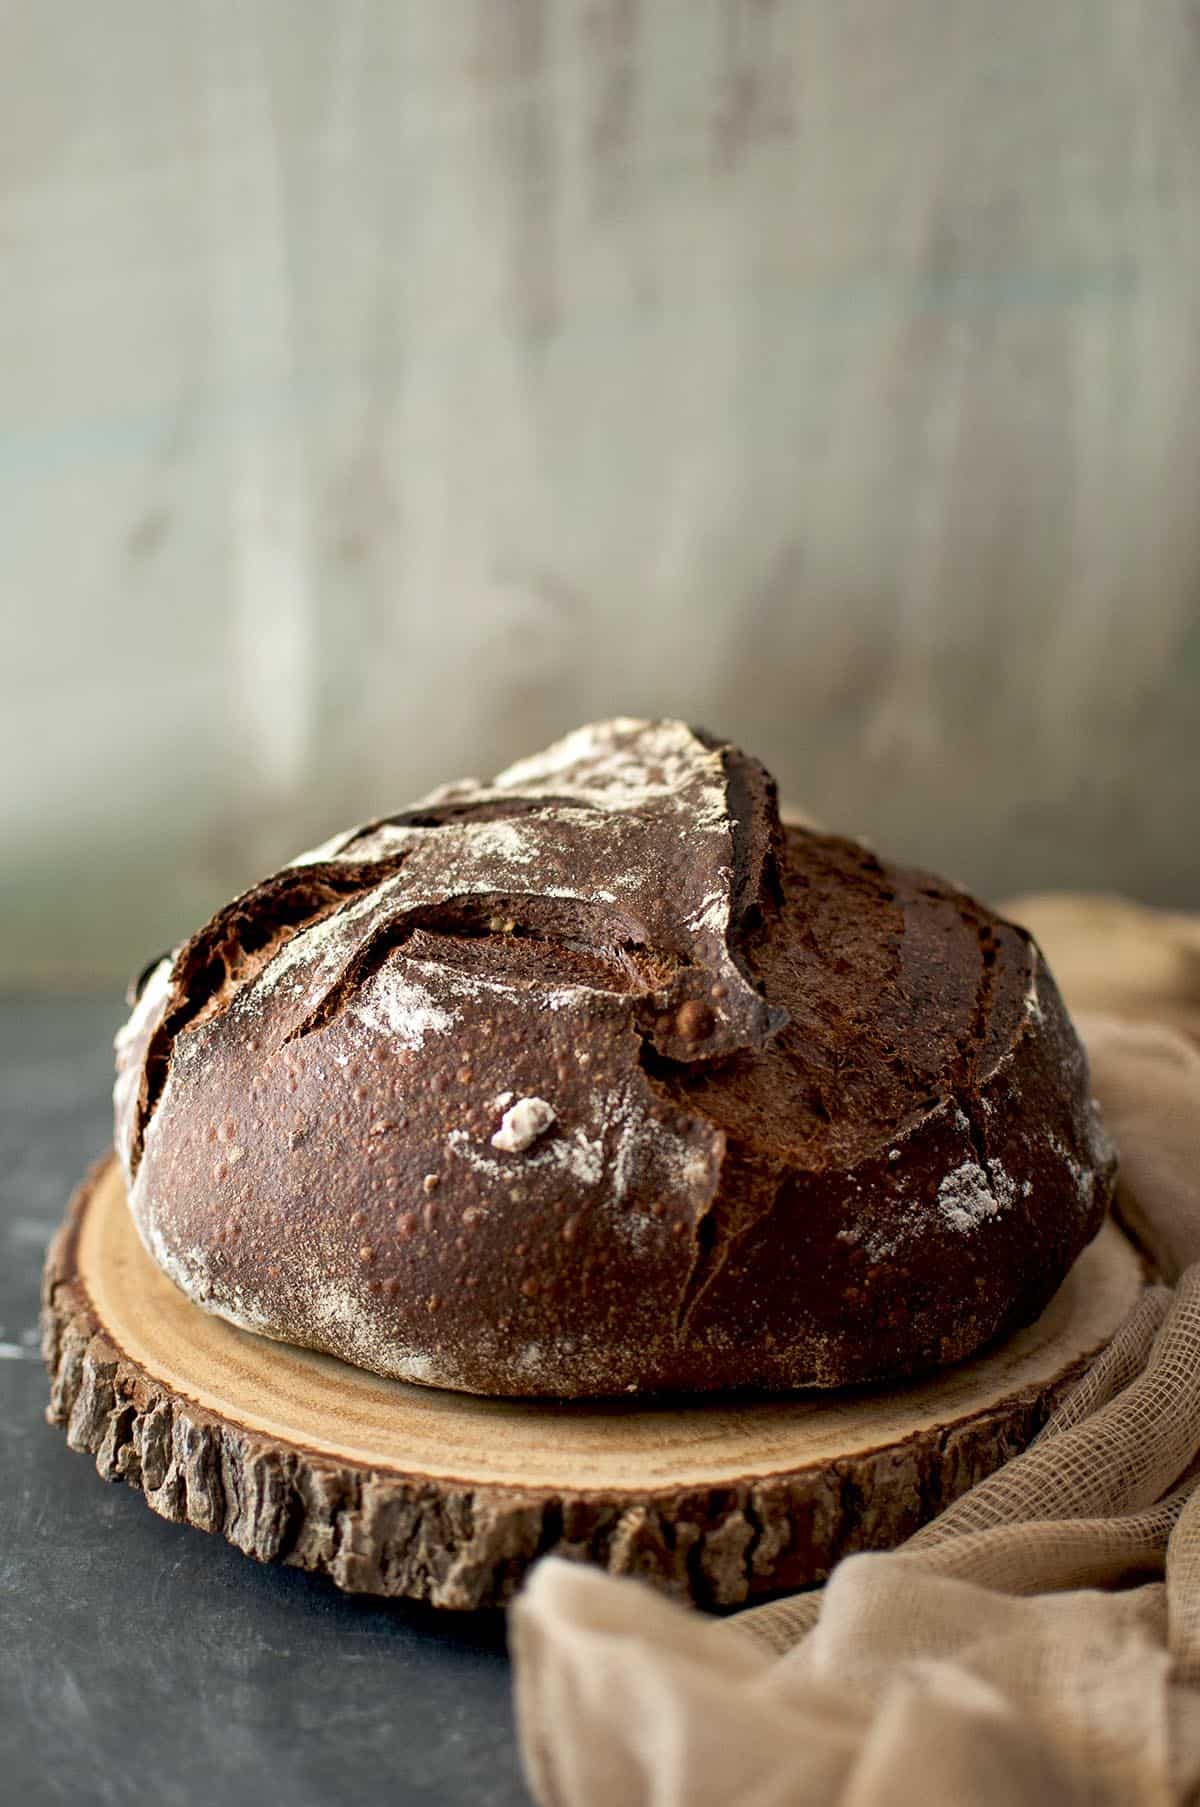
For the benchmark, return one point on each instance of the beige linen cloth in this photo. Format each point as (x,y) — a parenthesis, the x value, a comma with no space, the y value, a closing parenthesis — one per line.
(1037,1643)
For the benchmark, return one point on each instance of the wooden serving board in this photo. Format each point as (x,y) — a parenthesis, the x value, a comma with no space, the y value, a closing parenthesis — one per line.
(406,1490)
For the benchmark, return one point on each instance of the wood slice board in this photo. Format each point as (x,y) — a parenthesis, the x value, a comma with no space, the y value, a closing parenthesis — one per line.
(406,1490)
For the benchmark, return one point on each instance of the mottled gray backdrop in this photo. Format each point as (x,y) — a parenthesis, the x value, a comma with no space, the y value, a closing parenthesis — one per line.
(385,387)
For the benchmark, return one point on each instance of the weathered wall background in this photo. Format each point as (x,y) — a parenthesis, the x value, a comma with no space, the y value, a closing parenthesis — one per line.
(385,387)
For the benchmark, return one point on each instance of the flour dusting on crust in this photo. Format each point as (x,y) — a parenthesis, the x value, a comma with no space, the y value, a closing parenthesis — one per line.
(602,819)
(397,1006)
(522,1124)
(971,1194)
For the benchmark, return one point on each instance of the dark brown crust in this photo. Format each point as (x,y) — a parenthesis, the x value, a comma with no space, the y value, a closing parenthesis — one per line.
(377,1531)
(845,1137)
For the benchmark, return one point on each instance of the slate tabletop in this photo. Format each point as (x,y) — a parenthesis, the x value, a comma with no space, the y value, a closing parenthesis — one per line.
(143,1661)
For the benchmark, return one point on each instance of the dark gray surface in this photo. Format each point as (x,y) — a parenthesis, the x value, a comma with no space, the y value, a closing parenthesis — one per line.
(146,1661)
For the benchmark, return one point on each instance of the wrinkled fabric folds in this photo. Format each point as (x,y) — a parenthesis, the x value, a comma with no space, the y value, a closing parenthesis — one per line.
(1040,1640)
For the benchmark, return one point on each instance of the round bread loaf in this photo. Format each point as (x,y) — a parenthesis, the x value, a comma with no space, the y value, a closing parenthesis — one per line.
(597,1079)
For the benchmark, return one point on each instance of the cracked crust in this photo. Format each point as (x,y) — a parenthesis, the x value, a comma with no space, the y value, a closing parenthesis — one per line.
(817,1119)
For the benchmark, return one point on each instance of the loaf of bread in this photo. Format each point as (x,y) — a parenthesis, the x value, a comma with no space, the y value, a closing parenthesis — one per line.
(596,1079)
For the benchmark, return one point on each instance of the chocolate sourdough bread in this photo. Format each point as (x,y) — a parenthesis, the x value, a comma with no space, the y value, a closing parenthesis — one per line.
(598,1079)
